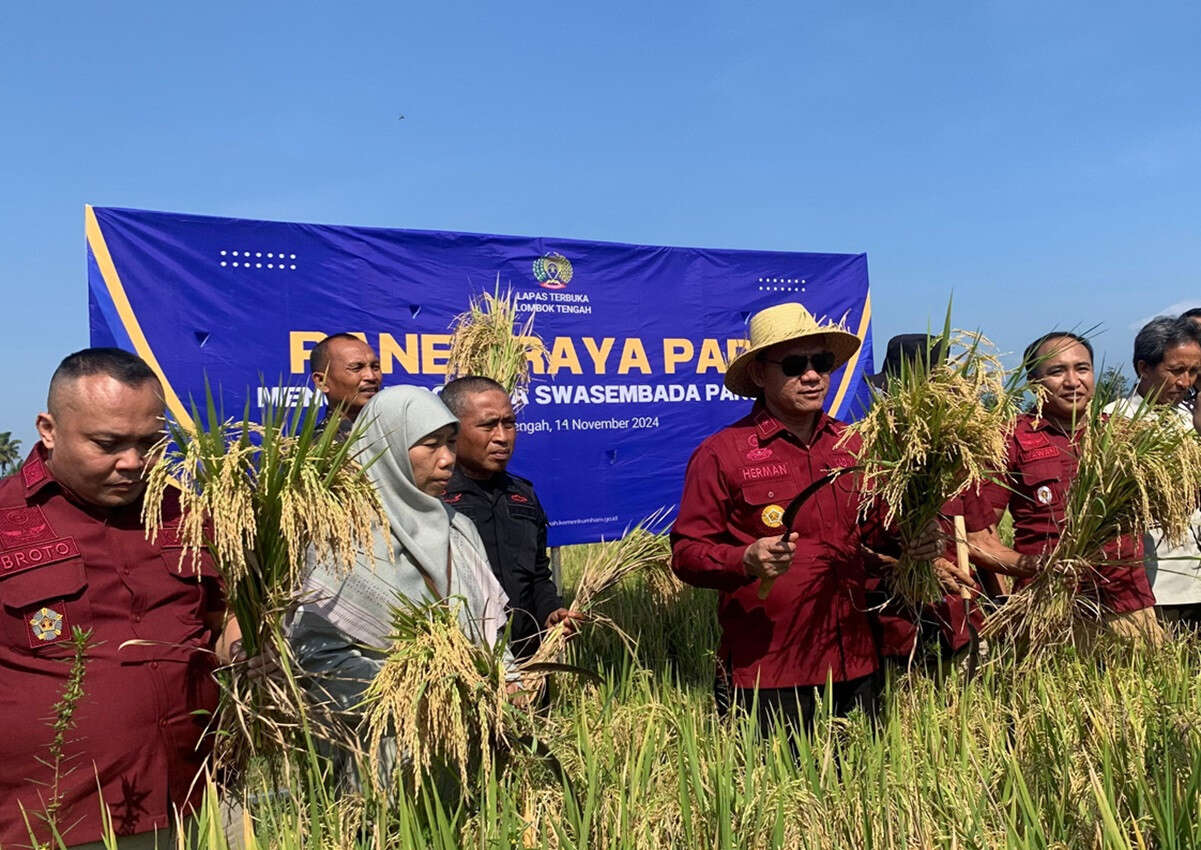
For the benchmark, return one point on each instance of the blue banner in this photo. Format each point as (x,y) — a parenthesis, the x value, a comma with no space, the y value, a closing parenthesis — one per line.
(638,335)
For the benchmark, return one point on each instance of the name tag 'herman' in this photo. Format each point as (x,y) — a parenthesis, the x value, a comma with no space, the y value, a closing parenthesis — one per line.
(764,472)
(37,555)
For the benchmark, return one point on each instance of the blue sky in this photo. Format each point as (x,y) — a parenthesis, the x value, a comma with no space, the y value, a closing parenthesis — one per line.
(1042,161)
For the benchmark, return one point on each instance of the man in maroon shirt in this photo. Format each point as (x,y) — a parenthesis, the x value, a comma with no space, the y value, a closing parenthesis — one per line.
(74,554)
(1043,453)
(813,625)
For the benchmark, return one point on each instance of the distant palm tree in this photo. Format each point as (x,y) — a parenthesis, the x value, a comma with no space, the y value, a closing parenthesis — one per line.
(10,453)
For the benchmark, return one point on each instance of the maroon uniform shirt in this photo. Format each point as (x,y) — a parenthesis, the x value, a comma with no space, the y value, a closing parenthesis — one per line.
(814,622)
(1042,465)
(137,734)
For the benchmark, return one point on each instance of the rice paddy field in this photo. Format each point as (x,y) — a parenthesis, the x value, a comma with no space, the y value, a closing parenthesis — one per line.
(1070,752)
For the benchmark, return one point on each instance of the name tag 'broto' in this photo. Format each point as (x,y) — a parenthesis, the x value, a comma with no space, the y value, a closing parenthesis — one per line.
(37,555)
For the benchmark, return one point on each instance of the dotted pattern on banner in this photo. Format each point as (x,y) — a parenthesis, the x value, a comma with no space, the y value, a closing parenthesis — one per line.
(258,259)
(790,284)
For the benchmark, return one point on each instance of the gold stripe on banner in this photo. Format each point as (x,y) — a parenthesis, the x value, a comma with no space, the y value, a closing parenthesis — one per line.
(116,291)
(864,321)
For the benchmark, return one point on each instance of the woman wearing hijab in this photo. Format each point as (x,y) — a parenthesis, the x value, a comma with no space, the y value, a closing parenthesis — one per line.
(426,553)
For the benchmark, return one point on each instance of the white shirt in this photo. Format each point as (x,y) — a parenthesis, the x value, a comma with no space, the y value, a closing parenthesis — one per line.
(1174,571)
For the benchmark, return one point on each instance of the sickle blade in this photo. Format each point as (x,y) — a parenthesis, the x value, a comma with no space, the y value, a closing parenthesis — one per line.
(794,507)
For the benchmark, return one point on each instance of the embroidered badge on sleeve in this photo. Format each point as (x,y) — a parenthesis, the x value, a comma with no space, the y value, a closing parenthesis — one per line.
(19,526)
(757,452)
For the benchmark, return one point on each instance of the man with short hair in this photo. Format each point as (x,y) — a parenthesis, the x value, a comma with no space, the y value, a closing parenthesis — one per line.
(347,371)
(74,555)
(1043,455)
(791,601)
(504,508)
(1167,360)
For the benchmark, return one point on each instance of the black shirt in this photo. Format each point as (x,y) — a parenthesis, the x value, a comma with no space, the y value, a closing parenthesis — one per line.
(512,525)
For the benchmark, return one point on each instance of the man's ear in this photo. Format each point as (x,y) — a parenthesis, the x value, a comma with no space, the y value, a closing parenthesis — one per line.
(45,426)
(1142,369)
(319,381)
(755,371)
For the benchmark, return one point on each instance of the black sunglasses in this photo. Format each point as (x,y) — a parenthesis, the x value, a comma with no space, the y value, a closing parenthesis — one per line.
(798,364)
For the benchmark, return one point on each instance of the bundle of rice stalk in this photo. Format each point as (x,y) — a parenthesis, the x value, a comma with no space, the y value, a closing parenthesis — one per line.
(1135,472)
(644,548)
(485,340)
(257,495)
(938,428)
(438,701)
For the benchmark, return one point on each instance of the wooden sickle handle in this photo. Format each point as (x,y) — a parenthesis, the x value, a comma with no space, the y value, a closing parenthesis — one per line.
(961,553)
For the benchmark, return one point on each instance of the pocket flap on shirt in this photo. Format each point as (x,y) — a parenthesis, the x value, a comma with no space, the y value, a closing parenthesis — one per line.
(187,565)
(1041,472)
(525,512)
(781,491)
(53,581)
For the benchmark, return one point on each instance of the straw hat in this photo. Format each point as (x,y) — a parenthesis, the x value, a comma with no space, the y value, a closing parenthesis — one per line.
(785,323)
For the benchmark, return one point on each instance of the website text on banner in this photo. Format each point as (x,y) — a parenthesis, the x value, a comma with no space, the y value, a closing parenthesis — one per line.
(638,335)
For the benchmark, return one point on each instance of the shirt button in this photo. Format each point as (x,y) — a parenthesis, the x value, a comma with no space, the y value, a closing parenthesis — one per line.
(153,665)
(137,618)
(771,494)
(163,722)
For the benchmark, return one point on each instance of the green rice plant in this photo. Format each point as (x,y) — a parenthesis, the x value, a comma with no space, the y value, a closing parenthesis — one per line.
(1135,472)
(1060,753)
(938,428)
(62,722)
(670,626)
(486,340)
(1069,755)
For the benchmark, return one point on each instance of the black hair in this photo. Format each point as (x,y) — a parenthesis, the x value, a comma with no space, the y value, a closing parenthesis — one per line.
(319,356)
(116,363)
(1030,359)
(1194,313)
(455,393)
(1159,335)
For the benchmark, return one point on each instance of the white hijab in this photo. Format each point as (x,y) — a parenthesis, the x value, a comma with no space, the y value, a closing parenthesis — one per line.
(410,557)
